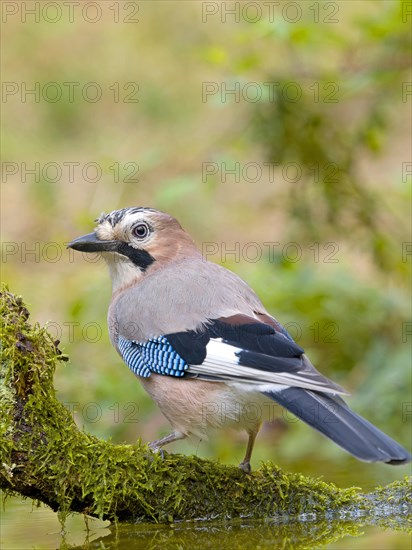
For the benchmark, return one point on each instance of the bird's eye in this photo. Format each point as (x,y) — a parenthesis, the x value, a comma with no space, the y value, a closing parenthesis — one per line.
(141,230)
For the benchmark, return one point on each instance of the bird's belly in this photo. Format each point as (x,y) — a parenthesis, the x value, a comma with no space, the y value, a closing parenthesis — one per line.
(194,407)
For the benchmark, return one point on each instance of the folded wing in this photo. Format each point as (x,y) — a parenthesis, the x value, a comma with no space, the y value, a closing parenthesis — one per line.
(233,350)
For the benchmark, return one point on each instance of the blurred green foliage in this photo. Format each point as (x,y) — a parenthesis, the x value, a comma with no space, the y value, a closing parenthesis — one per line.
(329,102)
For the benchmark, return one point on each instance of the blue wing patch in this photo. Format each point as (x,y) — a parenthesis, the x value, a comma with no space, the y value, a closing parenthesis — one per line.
(156,355)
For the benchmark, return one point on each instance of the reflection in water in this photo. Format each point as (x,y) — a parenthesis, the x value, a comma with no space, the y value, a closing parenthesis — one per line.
(305,534)
(24,527)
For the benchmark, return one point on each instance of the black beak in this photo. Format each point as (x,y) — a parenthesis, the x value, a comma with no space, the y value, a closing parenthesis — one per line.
(90,243)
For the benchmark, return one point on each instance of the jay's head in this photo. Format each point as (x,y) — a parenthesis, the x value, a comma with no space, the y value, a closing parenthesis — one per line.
(135,241)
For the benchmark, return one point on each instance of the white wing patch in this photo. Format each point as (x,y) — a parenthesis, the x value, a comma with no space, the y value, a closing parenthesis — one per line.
(222,363)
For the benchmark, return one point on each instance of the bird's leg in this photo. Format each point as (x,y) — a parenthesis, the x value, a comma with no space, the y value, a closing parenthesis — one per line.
(174,436)
(245,464)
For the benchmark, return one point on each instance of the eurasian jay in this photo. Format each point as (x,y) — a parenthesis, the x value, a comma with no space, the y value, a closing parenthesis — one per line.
(204,347)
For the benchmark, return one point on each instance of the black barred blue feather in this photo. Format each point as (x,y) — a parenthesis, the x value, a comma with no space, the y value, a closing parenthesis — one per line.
(156,355)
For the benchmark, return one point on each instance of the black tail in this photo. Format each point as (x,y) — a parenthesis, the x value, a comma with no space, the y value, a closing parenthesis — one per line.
(331,416)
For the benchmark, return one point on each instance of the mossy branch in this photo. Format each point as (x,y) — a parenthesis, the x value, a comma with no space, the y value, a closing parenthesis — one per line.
(43,455)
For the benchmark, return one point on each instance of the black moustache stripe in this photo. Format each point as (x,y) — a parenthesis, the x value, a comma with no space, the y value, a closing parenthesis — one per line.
(141,258)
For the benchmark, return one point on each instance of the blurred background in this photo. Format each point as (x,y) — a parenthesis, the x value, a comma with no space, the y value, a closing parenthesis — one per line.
(279,134)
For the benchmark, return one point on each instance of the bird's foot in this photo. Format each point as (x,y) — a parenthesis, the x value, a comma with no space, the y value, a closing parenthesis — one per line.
(156,449)
(245,466)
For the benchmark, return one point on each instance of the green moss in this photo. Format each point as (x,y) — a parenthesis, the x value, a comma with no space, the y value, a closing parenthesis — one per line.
(45,456)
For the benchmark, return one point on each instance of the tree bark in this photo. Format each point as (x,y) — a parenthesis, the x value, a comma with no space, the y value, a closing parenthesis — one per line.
(43,455)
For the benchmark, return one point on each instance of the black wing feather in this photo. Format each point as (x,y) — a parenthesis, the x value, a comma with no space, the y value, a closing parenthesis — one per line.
(258,348)
(257,336)
(254,337)
(190,345)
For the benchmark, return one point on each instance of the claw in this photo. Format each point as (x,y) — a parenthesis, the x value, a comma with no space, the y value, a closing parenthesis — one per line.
(157,450)
(245,466)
